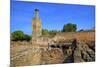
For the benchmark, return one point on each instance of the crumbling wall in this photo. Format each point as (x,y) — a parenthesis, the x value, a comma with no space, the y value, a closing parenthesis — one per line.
(82,36)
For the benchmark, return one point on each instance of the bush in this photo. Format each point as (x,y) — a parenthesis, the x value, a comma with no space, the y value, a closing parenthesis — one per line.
(19,36)
(45,32)
(69,27)
(27,37)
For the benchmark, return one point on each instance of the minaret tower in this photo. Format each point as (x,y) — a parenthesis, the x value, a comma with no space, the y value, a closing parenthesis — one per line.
(36,26)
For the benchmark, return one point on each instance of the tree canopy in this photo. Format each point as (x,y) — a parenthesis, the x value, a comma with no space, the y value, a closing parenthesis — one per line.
(19,36)
(69,27)
(45,32)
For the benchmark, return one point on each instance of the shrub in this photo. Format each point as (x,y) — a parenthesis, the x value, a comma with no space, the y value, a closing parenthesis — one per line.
(19,36)
(69,27)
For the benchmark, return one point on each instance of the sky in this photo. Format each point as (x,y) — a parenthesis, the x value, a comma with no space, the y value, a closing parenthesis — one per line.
(52,15)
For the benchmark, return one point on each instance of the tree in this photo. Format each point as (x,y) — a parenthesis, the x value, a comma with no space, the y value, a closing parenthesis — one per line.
(17,35)
(27,37)
(52,33)
(81,30)
(69,27)
(45,32)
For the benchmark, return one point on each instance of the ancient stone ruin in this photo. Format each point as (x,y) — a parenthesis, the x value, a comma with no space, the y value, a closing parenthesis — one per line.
(36,26)
(63,48)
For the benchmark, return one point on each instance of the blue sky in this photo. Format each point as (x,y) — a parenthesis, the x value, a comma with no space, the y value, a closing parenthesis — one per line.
(53,16)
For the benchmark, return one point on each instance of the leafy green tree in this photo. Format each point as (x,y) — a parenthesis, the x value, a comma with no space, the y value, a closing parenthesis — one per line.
(17,35)
(52,33)
(45,32)
(27,37)
(69,27)
(20,36)
(81,30)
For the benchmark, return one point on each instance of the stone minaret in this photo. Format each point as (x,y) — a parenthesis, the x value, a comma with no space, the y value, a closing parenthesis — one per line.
(36,26)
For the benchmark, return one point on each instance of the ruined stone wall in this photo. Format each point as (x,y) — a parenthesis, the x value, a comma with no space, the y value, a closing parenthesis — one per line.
(84,36)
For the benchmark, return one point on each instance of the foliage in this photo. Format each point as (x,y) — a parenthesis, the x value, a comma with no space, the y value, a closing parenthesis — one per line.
(45,32)
(81,30)
(19,36)
(52,33)
(88,30)
(69,27)
(27,37)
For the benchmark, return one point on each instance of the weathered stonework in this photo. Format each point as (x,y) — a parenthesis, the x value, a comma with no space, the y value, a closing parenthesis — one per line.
(36,26)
